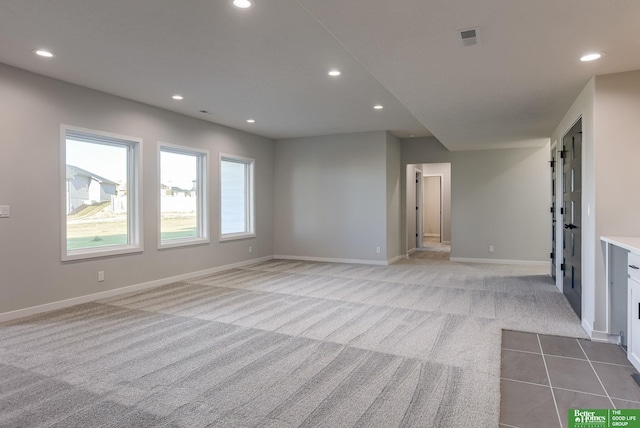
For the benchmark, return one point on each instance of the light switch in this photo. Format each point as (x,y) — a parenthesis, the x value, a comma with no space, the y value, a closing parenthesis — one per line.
(5,211)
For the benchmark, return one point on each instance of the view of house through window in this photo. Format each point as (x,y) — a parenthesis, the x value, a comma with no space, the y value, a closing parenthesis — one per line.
(182,196)
(97,199)
(236,197)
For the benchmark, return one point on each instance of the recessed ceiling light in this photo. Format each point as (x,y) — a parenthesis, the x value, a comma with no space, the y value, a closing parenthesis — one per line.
(591,57)
(43,53)
(178,97)
(242,4)
(378,107)
(251,121)
(334,73)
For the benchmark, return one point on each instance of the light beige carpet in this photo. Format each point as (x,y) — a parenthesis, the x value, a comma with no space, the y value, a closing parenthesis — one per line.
(282,344)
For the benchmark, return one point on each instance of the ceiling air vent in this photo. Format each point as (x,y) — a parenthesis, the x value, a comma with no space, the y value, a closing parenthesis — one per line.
(469,37)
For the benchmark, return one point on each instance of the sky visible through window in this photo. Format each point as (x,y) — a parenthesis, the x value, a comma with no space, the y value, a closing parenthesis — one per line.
(102,159)
(178,170)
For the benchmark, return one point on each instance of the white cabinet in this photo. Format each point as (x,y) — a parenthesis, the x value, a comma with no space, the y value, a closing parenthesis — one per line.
(633,311)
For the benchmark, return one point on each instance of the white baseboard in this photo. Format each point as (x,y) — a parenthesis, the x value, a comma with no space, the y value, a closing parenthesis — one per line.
(427,235)
(411,251)
(587,328)
(600,336)
(61,304)
(500,261)
(332,260)
(603,336)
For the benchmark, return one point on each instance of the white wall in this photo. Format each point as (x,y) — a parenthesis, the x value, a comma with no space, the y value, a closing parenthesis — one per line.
(443,169)
(331,197)
(32,107)
(499,198)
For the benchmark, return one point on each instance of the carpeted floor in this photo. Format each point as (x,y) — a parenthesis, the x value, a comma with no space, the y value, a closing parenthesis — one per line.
(282,344)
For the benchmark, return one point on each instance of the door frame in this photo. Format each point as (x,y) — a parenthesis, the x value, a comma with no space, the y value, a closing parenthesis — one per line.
(562,217)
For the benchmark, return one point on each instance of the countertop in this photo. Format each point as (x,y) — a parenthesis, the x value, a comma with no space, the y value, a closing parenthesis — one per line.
(631,243)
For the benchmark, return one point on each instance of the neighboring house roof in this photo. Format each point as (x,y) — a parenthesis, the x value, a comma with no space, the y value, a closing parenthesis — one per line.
(73,171)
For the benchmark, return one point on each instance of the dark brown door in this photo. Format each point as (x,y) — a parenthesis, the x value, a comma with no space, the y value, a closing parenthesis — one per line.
(572,210)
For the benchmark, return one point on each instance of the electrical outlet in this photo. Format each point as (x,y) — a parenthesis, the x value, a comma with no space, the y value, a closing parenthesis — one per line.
(5,211)
(377,250)
(491,248)
(100,276)
(250,249)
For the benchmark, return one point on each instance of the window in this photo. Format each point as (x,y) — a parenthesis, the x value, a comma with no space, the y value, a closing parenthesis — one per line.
(236,197)
(100,194)
(183,202)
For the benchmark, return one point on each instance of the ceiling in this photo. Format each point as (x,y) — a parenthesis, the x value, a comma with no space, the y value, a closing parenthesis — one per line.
(270,62)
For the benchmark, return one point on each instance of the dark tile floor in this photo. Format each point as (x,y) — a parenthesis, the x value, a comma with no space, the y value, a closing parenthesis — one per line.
(542,377)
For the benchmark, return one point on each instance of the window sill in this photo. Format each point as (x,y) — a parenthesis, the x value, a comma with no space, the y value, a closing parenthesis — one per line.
(236,236)
(93,253)
(174,243)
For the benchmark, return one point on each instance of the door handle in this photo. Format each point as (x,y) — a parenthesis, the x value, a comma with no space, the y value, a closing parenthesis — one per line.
(634,267)
(570,226)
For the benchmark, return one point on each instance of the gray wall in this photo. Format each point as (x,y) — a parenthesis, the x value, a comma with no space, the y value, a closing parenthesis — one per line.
(499,198)
(394,182)
(331,198)
(32,107)
(617,176)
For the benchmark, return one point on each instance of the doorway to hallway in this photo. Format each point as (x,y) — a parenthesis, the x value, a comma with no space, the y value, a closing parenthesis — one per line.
(429,208)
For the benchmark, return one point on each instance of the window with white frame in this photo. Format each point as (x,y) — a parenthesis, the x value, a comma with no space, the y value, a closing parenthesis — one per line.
(183,201)
(100,178)
(236,197)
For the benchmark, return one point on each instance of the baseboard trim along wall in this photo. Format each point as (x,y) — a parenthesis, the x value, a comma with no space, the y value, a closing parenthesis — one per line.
(500,261)
(20,313)
(600,336)
(333,260)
